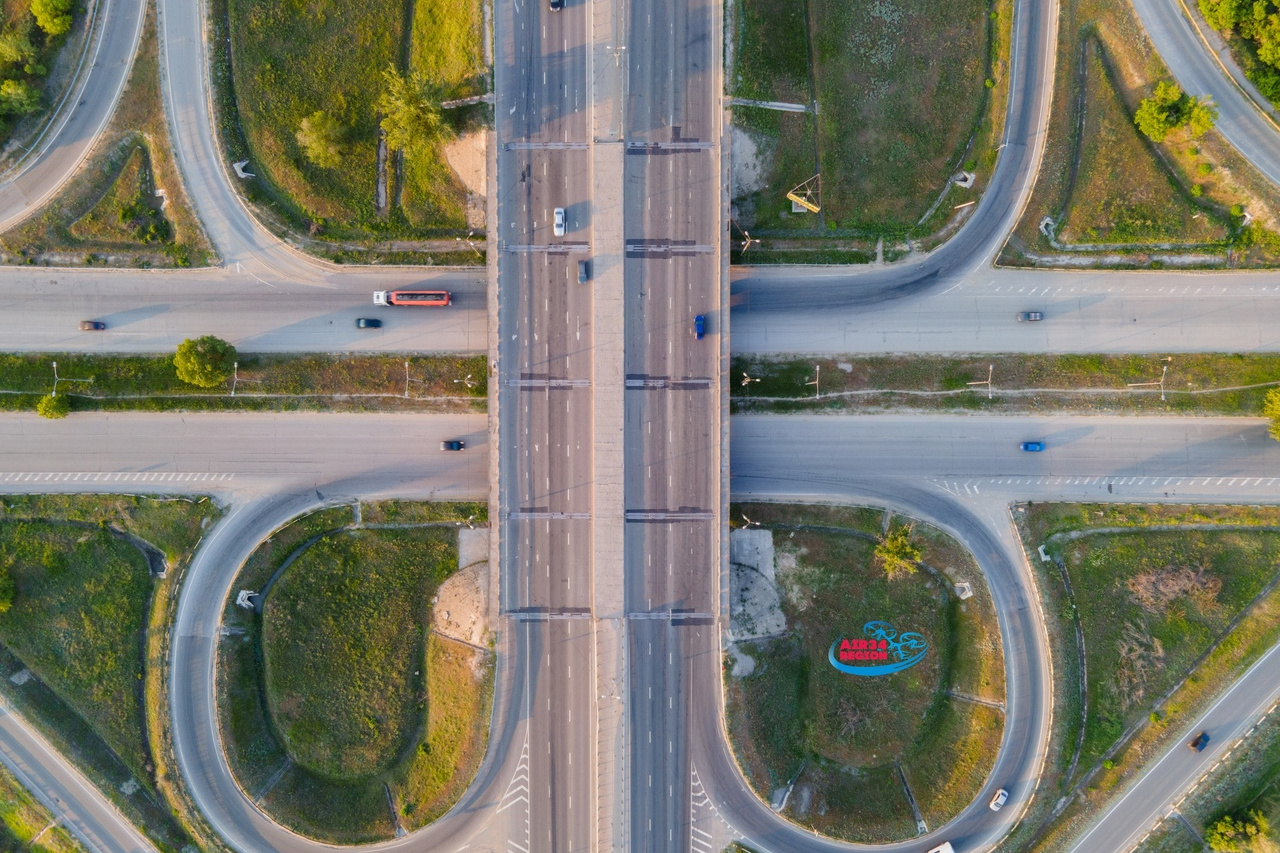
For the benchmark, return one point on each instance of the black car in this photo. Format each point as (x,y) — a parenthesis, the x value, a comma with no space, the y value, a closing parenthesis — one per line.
(454,444)
(556,5)
(1198,743)
(368,323)
(92,325)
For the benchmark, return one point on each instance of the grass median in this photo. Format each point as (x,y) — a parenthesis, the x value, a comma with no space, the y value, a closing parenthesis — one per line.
(1195,383)
(843,744)
(343,711)
(78,636)
(262,383)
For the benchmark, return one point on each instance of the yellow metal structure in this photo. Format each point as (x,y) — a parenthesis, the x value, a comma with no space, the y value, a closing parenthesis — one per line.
(808,194)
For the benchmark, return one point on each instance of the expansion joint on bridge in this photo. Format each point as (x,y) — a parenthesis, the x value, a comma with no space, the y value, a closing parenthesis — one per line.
(545,614)
(685,383)
(684,513)
(532,514)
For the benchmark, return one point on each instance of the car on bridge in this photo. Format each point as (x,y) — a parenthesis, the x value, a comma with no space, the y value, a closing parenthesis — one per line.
(1029,316)
(1032,446)
(368,323)
(700,326)
(453,444)
(557,225)
(92,325)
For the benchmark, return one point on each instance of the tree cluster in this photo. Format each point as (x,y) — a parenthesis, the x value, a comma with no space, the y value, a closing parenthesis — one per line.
(26,42)
(1258,23)
(1169,108)
(1247,833)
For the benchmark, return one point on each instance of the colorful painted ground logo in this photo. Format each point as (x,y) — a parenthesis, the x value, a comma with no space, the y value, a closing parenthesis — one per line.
(885,651)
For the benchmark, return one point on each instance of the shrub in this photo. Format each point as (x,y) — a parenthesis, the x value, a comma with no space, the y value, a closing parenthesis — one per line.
(321,138)
(1244,834)
(54,407)
(204,361)
(1271,410)
(7,589)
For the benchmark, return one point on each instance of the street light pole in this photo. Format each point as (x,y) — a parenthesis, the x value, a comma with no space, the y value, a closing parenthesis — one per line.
(817,376)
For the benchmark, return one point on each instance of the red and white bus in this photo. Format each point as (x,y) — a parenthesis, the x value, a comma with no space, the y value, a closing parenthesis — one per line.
(430,298)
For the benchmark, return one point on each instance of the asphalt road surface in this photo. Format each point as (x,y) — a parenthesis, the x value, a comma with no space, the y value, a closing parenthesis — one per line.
(150,311)
(1083,312)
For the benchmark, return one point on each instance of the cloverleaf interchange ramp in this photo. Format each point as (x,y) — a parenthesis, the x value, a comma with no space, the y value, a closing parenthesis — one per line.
(556,77)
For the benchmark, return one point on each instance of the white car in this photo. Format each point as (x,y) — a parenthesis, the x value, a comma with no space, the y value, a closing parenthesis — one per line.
(1001,797)
(558,227)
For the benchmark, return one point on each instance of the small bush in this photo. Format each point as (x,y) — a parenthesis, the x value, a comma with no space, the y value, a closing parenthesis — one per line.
(54,407)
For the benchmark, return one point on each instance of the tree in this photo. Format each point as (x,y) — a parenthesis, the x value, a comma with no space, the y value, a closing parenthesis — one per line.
(1201,117)
(1160,113)
(1244,834)
(411,113)
(1271,409)
(53,407)
(204,361)
(321,138)
(895,552)
(53,16)
(18,97)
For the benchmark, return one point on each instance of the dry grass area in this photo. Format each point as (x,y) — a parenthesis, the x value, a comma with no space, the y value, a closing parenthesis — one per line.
(1097,199)
(844,735)
(83,223)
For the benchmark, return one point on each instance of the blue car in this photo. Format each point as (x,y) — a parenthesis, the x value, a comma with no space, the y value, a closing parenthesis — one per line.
(700,325)
(1033,446)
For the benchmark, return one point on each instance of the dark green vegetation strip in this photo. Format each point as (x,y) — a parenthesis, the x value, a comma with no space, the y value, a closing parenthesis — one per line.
(1218,631)
(842,738)
(111,215)
(292,61)
(1043,383)
(897,117)
(340,692)
(84,598)
(266,383)
(32,48)
(25,825)
(1105,184)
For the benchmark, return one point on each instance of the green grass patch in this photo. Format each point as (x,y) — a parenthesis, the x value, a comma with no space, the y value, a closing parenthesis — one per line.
(840,736)
(129,211)
(771,58)
(359,693)
(896,112)
(328,55)
(266,382)
(26,825)
(82,623)
(342,642)
(1123,193)
(1150,603)
(1217,383)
